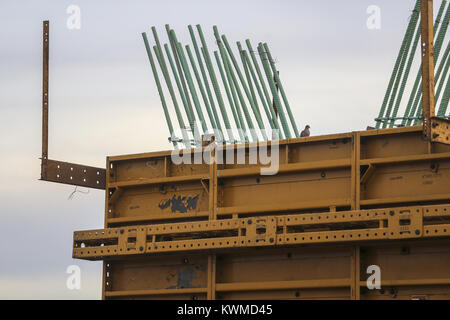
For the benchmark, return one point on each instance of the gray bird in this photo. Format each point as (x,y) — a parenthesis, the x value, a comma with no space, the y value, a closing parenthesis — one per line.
(305,133)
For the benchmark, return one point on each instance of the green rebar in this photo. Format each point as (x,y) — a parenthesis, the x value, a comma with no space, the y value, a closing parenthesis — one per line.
(160,91)
(416,92)
(201,88)
(230,99)
(445,98)
(242,81)
(283,94)
(415,86)
(191,117)
(263,86)
(276,98)
(230,73)
(205,79)
(188,76)
(162,64)
(412,102)
(414,19)
(392,79)
(165,72)
(444,60)
(173,45)
(405,49)
(248,64)
(234,87)
(236,101)
(215,83)
(437,48)
(247,76)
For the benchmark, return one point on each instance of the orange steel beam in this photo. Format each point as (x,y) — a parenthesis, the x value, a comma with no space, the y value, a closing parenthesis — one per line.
(428,103)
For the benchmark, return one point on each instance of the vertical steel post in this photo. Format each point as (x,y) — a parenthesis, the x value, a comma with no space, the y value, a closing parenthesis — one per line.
(45,58)
(427,51)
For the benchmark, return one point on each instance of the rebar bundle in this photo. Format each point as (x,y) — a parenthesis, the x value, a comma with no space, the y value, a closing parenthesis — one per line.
(387,117)
(244,83)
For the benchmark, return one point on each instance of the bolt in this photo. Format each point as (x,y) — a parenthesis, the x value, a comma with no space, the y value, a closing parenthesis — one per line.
(121,231)
(271,240)
(417,232)
(141,248)
(249,221)
(391,212)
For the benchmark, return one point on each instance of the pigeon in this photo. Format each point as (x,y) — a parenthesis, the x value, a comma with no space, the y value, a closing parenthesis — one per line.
(305,133)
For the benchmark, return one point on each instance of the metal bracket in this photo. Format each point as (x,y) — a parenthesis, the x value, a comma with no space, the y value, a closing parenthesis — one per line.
(440,130)
(74,174)
(59,171)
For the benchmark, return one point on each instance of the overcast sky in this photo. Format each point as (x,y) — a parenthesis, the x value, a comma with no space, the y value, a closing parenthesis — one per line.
(103,101)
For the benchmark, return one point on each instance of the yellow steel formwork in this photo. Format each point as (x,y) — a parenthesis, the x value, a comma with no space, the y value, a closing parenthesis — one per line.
(338,204)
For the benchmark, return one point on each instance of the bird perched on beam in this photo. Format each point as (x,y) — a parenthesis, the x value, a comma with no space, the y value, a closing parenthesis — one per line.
(305,133)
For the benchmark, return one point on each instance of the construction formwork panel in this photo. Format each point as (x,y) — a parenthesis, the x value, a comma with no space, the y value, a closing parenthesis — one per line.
(338,204)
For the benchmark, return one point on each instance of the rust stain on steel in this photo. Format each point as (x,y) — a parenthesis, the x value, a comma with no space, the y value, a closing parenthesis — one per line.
(185,277)
(179,204)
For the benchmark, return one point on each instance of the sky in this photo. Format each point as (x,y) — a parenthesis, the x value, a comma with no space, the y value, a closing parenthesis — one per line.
(103,101)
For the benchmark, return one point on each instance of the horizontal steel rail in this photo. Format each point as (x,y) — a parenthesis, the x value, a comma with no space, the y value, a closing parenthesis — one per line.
(344,226)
